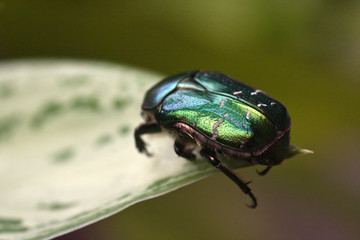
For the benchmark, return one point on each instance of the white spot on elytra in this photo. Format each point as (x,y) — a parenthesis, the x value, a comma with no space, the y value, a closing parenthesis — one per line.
(256,92)
(237,93)
(261,104)
(215,132)
(222,103)
(248,115)
(272,103)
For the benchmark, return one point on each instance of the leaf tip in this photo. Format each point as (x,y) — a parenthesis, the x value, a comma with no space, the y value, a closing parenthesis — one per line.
(294,150)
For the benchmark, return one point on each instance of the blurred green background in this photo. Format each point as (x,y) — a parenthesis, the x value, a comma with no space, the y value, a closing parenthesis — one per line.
(304,53)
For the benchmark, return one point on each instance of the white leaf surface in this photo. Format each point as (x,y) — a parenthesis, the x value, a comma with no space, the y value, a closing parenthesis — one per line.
(67,153)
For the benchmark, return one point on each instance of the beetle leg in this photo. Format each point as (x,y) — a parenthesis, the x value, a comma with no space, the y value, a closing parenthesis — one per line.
(264,172)
(230,174)
(145,128)
(181,149)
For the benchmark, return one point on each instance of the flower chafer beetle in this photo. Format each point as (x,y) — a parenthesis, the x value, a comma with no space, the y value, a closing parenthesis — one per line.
(232,123)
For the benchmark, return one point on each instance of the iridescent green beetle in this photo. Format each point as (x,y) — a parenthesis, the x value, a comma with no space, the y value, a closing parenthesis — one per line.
(233,124)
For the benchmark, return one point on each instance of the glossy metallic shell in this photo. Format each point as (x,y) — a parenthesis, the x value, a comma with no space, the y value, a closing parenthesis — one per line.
(158,92)
(224,110)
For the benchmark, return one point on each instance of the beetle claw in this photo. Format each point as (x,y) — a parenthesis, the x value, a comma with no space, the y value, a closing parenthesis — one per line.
(254,201)
(148,153)
(263,172)
(141,146)
(248,182)
(145,128)
(144,150)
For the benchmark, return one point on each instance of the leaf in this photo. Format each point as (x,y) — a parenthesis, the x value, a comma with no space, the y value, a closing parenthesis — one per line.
(67,153)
